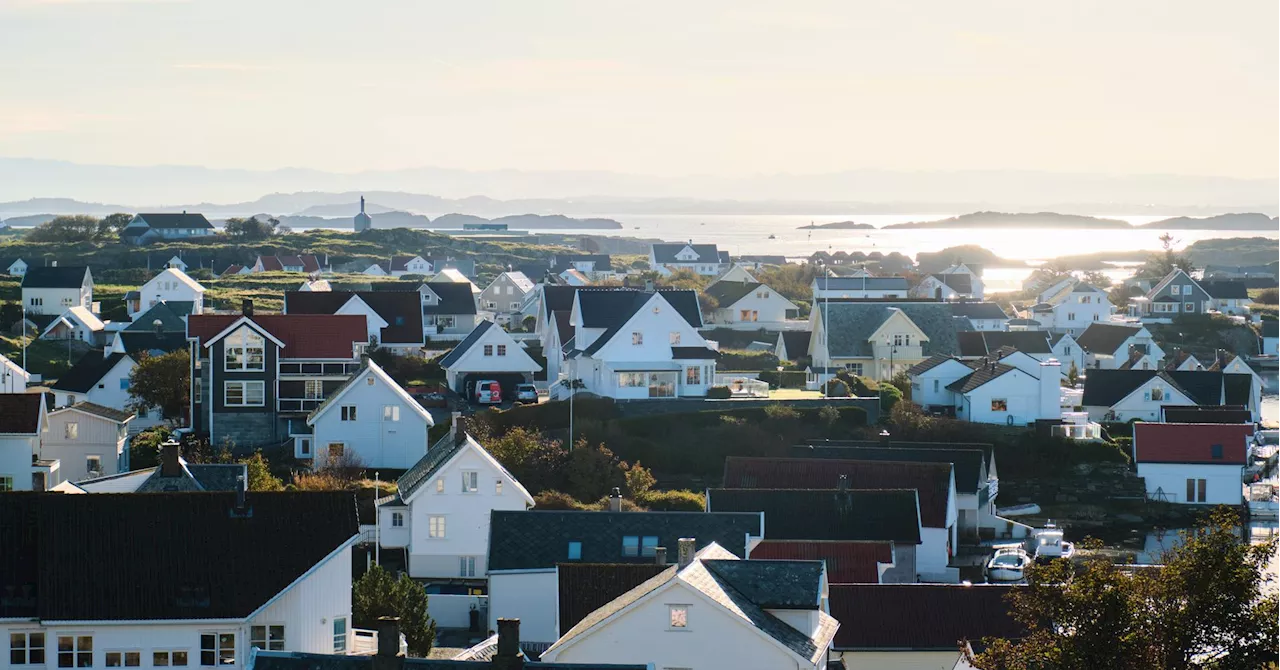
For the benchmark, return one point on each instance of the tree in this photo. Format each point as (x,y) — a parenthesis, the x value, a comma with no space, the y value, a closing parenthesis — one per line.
(254,227)
(109,226)
(592,471)
(639,481)
(902,381)
(1097,278)
(1073,375)
(161,381)
(1205,608)
(260,477)
(77,228)
(889,396)
(1159,265)
(377,594)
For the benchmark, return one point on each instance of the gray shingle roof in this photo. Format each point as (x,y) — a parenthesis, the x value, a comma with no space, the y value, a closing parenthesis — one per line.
(1105,338)
(175,220)
(62,276)
(930,363)
(433,460)
(455,298)
(666,253)
(170,315)
(727,293)
(863,283)
(796,343)
(980,376)
(465,345)
(817,514)
(978,310)
(960,282)
(109,413)
(851,323)
(86,373)
(1226,290)
(981,343)
(1104,388)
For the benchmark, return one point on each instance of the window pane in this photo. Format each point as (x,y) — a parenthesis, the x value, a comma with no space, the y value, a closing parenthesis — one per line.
(160,658)
(132,659)
(179,658)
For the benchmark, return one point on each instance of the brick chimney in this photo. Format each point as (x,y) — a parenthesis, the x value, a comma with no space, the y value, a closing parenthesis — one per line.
(169,453)
(615,500)
(508,656)
(686,548)
(388,656)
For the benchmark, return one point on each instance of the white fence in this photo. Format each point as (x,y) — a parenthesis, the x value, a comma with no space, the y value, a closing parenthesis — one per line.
(743,385)
(454,611)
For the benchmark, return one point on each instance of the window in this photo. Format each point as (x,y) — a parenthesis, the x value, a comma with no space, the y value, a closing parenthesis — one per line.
(631,545)
(1215,452)
(390,412)
(467,566)
(37,302)
(313,389)
(71,430)
(339,634)
(1175,289)
(66,302)
(217,649)
(1071,316)
(678,617)
(127,659)
(435,527)
(674,338)
(245,351)
(488,350)
(1157,393)
(242,394)
(936,384)
(575,551)
(854,368)
(693,375)
(637,338)
(1066,350)
(649,545)
(1189,307)
(439,486)
(336,449)
(502,350)
(348,412)
(270,638)
(999,405)
(397,519)
(1186,289)
(470,481)
(497,487)
(165,658)
(304,447)
(1196,490)
(75,651)
(124,384)
(515,305)
(93,463)
(198,390)
(897,340)
(26,648)
(6,484)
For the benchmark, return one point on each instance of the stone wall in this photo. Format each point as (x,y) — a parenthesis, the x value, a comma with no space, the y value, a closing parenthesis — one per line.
(246,430)
(652,406)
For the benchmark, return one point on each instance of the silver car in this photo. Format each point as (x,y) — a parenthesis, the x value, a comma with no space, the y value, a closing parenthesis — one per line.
(526,393)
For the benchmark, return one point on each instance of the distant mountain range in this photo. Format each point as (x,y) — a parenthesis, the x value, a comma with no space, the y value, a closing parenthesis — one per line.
(1246,221)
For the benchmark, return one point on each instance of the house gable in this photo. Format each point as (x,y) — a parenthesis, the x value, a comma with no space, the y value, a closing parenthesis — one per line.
(469,451)
(656,321)
(897,323)
(361,380)
(473,358)
(1140,397)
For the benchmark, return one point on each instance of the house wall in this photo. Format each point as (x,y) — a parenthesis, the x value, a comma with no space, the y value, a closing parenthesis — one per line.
(1270,345)
(656,329)
(15,459)
(390,536)
(1138,405)
(771,308)
(504,294)
(55,301)
(243,426)
(1073,315)
(898,660)
(714,638)
(904,568)
(1222,482)
(166,288)
(466,516)
(1191,298)
(379,443)
(13,379)
(531,597)
(96,437)
(516,360)
(112,390)
(308,609)
(1021,392)
(930,388)
(1067,351)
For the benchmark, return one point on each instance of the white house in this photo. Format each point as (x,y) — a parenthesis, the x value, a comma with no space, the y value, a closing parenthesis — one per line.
(88,440)
(1229,297)
(748,305)
(409,265)
(13,379)
(22,421)
(1013,389)
(371,419)
(505,295)
(879,340)
(103,378)
(1192,463)
(1068,351)
(171,285)
(440,516)
(1108,346)
(77,323)
(858,287)
(1125,395)
(736,273)
(930,379)
(488,352)
(985,316)
(709,611)
(947,286)
(267,570)
(1071,306)
(703,259)
(639,344)
(52,290)
(572,277)
(448,308)
(14,267)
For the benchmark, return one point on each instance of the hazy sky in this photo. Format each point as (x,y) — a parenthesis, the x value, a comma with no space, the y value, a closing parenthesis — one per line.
(655,87)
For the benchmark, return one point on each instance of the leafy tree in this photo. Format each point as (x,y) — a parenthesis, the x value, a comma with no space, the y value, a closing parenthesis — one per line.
(260,477)
(110,225)
(1097,278)
(377,594)
(1206,608)
(889,397)
(639,480)
(254,228)
(77,228)
(1073,375)
(161,381)
(1161,264)
(902,381)
(592,471)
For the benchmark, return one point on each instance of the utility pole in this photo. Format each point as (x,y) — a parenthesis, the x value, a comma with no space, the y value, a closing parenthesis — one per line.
(377,523)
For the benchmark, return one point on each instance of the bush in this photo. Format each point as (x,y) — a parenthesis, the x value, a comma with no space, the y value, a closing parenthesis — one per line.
(780,412)
(144,448)
(753,361)
(889,396)
(674,501)
(829,415)
(557,500)
(719,393)
(1269,296)
(837,388)
(790,379)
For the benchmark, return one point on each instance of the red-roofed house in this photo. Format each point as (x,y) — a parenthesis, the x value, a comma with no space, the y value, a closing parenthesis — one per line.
(256,377)
(1192,463)
(847,562)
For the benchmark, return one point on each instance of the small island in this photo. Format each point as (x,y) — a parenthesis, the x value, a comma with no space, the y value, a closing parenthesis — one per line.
(838,225)
(1008,220)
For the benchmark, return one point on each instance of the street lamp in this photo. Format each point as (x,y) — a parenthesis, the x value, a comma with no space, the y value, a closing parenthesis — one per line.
(779,377)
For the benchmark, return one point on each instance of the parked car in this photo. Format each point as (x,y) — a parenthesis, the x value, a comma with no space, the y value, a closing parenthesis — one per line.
(488,392)
(432,399)
(526,393)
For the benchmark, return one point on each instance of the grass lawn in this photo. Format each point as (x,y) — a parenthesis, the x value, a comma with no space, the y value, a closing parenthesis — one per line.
(44,357)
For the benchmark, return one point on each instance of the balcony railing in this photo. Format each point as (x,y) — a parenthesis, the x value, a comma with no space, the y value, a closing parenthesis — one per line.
(298,404)
(319,369)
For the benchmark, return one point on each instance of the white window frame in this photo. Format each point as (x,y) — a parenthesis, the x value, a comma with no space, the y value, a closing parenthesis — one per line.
(674,338)
(437,527)
(218,651)
(397,519)
(340,638)
(678,617)
(238,349)
(440,485)
(121,657)
(244,387)
(93,463)
(71,430)
(268,643)
(637,338)
(391,413)
(693,375)
(466,566)
(470,481)
(488,350)
(28,648)
(313,389)
(169,656)
(347,413)
(76,651)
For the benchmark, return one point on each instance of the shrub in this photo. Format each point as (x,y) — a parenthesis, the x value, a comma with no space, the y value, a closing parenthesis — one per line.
(674,501)
(780,412)
(755,361)
(829,415)
(144,448)
(837,388)
(557,500)
(719,393)
(889,396)
(639,480)
(319,481)
(789,379)
(1269,296)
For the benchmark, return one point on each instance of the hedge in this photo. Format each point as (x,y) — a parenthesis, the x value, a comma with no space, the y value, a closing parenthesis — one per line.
(673,501)
(791,379)
(550,416)
(719,393)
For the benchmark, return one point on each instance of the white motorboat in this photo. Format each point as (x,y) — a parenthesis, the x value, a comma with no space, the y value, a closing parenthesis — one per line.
(1008,563)
(1050,544)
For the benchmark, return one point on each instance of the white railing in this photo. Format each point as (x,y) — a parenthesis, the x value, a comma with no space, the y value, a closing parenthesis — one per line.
(364,642)
(743,386)
(1078,431)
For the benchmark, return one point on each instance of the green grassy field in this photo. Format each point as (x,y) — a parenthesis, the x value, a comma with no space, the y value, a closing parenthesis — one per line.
(44,357)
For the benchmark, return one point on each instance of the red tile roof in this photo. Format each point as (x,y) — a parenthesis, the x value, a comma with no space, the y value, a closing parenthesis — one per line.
(920,616)
(1190,442)
(310,263)
(20,412)
(304,335)
(847,562)
(931,480)
(290,261)
(271,264)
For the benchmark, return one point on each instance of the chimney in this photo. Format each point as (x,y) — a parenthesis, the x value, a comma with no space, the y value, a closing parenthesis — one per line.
(508,655)
(842,484)
(388,656)
(246,307)
(240,493)
(648,285)
(660,555)
(615,500)
(457,427)
(686,548)
(169,452)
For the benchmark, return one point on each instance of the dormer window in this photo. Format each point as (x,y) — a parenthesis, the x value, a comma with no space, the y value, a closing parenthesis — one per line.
(245,351)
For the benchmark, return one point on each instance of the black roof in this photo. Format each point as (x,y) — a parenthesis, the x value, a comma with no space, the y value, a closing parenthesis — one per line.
(294,660)
(1237,389)
(1202,414)
(603,262)
(586,587)
(931,363)
(162,556)
(981,375)
(87,371)
(20,413)
(817,514)
(694,353)
(727,293)
(797,343)
(1104,388)
(176,220)
(960,282)
(1226,290)
(978,310)
(774,584)
(982,342)
(612,308)
(194,477)
(465,345)
(455,298)
(62,276)
(1105,338)
(666,253)
(401,310)
(149,342)
(967,463)
(169,313)
(540,538)
(557,298)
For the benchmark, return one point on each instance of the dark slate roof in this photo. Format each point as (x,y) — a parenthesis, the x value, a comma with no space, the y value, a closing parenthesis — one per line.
(433,460)
(62,276)
(91,559)
(851,323)
(1202,414)
(144,342)
(87,371)
(1104,388)
(666,253)
(176,220)
(727,293)
(540,538)
(465,345)
(832,448)
(455,298)
(557,298)
(694,353)
(401,310)
(20,413)
(899,617)
(1237,389)
(983,374)
(861,283)
(969,464)
(980,343)
(794,514)
(109,413)
(1226,290)
(1105,338)
(931,363)
(978,310)
(294,660)
(1271,328)
(170,315)
(612,308)
(960,282)
(797,343)
(932,480)
(586,587)
(196,477)
(603,261)
(776,584)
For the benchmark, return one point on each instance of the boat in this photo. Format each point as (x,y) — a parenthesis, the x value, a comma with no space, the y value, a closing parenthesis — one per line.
(773,237)
(1008,563)
(1050,544)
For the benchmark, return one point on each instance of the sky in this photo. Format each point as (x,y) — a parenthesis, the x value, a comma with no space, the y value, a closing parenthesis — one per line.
(657,87)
